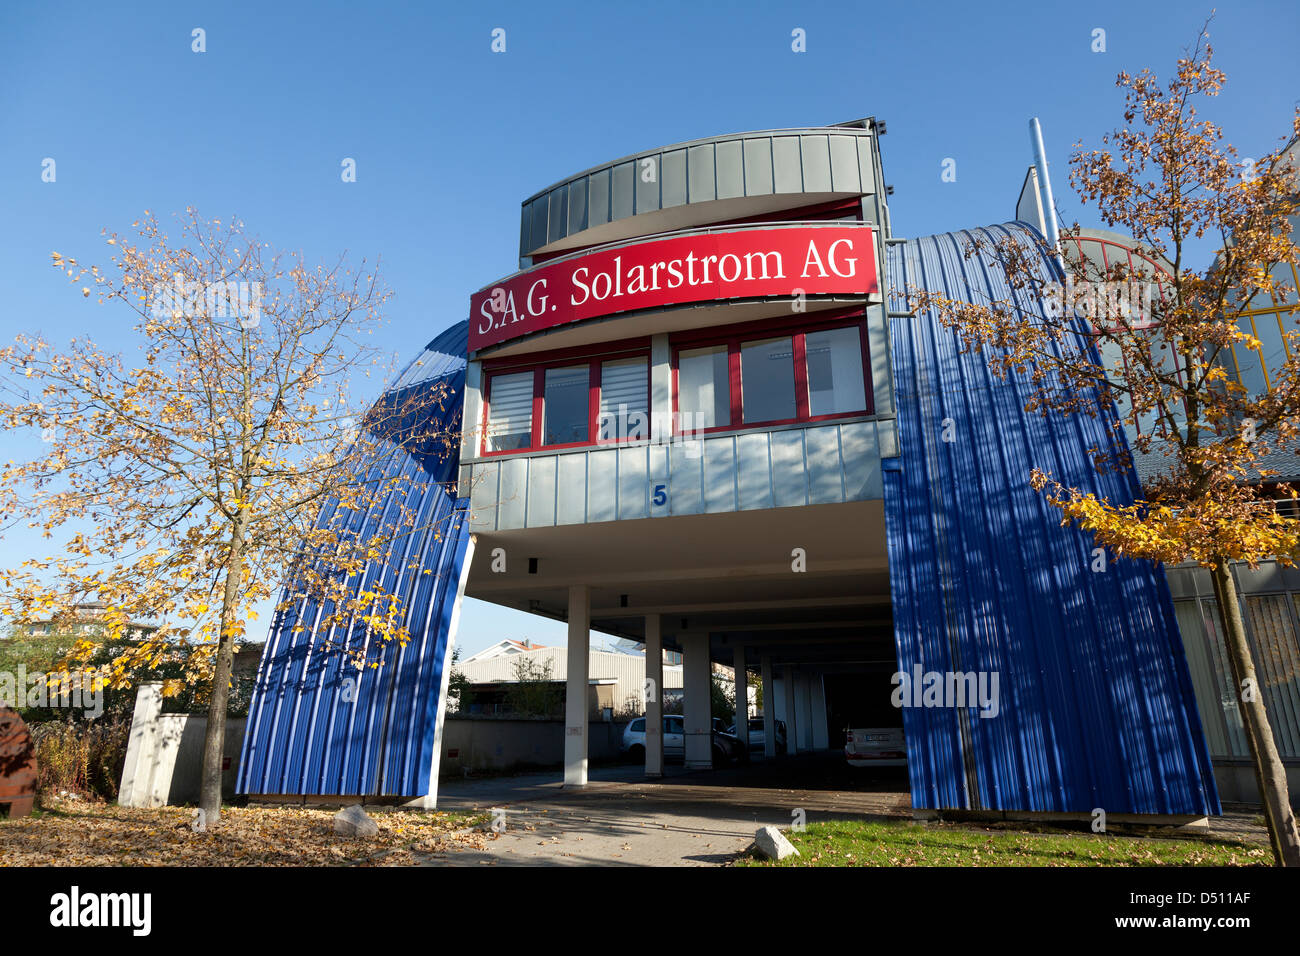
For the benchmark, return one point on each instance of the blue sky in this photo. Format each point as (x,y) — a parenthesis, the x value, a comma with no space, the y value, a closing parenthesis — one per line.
(449,137)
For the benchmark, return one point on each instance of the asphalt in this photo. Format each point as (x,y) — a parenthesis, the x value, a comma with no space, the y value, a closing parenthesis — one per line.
(685,818)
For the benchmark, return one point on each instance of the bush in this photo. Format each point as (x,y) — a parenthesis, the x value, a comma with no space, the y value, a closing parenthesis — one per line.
(81,758)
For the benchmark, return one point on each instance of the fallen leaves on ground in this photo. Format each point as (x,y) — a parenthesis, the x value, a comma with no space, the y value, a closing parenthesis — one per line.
(98,834)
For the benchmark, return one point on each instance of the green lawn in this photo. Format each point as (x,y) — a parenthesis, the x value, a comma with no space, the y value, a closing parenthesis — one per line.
(899,843)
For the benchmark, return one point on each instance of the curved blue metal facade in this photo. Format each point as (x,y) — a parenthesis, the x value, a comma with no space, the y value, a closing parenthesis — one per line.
(310,729)
(1097,707)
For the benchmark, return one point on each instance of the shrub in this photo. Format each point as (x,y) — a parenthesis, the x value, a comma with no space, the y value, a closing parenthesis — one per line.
(80,757)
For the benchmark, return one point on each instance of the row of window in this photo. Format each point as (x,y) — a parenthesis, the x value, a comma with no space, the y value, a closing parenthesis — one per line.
(729,381)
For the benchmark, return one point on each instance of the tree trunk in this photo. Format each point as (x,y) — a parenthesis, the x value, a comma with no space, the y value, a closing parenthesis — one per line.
(214,740)
(1269,772)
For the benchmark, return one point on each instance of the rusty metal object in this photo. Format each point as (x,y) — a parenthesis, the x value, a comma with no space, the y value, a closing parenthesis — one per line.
(17,765)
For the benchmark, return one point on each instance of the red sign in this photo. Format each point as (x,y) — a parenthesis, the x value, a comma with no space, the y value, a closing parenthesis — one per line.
(744,263)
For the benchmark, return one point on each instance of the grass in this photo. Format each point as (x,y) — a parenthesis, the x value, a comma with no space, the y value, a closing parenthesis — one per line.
(900,843)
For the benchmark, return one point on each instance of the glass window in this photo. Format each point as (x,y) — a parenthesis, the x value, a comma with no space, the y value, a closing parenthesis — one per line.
(703,390)
(638,726)
(767,380)
(835,380)
(510,412)
(624,399)
(564,405)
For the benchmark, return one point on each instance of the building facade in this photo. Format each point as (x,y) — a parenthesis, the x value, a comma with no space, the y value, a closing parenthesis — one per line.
(701,417)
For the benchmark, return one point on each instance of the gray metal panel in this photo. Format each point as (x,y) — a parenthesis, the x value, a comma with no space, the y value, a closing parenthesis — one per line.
(558,215)
(758,167)
(861,463)
(882,376)
(571,489)
(540,207)
(865,166)
(673,178)
(753,471)
(578,205)
(647,193)
(729,163)
(887,437)
(484,485)
(787,174)
(789,477)
(720,474)
(816,164)
(825,474)
(702,180)
(844,164)
(622,191)
(598,198)
(685,494)
(510,503)
(541,492)
(602,485)
(633,483)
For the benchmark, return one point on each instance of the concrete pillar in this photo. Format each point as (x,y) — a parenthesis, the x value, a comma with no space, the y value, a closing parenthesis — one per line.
(769,706)
(742,699)
(138,772)
(696,712)
(575,704)
(791,726)
(654,700)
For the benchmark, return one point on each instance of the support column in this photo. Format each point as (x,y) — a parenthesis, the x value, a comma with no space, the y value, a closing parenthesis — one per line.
(791,727)
(654,696)
(742,699)
(696,710)
(575,704)
(769,706)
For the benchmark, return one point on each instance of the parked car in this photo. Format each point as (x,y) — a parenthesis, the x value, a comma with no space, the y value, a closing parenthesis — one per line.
(758,736)
(726,747)
(875,747)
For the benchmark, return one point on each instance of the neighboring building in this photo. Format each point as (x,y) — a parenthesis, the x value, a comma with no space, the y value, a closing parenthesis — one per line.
(617,681)
(507,648)
(702,418)
(88,622)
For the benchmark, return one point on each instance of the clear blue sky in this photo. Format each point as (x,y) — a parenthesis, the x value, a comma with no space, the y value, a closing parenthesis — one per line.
(449,137)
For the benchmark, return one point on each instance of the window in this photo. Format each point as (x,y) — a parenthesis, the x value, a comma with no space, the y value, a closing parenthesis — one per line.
(568,401)
(624,399)
(703,386)
(510,412)
(835,375)
(565,404)
(803,375)
(767,380)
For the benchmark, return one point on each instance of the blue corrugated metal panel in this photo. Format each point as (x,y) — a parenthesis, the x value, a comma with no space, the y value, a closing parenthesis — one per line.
(1096,703)
(311,730)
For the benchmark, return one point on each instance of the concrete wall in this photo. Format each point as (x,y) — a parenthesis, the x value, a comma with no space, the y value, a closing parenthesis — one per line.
(491,744)
(164,754)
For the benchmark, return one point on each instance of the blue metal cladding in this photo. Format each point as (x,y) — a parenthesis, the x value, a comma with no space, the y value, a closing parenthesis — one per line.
(310,729)
(1096,702)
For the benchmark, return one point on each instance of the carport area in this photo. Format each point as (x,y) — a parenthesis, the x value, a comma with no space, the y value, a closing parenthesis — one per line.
(684,818)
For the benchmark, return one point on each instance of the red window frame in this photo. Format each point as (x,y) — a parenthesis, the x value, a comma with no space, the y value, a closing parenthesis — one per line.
(538,363)
(733,336)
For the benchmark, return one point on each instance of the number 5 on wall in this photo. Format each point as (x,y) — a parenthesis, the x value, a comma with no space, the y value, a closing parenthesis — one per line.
(658,496)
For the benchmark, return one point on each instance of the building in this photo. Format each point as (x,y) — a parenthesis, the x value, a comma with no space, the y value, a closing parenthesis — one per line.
(506,648)
(700,417)
(616,681)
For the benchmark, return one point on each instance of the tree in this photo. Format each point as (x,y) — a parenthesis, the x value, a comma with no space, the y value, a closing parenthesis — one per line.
(1167,179)
(194,477)
(458,685)
(721,699)
(534,692)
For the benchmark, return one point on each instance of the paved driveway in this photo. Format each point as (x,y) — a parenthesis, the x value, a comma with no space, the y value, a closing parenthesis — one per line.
(695,818)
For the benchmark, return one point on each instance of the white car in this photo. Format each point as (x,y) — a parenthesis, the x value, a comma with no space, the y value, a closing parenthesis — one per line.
(875,747)
(724,746)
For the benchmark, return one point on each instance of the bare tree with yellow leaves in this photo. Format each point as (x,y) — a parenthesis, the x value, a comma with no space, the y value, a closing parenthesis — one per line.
(183,483)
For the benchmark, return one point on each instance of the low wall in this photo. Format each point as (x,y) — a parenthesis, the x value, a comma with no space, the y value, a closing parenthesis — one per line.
(164,754)
(500,744)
